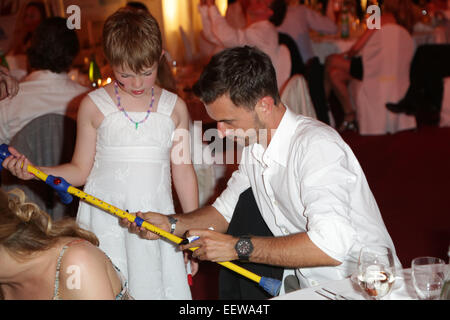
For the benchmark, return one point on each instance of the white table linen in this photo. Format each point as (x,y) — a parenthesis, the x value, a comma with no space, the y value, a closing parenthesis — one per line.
(403,289)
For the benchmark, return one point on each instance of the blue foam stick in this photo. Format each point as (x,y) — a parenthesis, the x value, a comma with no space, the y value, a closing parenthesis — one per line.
(4,153)
(272,286)
(57,183)
(61,186)
(138,221)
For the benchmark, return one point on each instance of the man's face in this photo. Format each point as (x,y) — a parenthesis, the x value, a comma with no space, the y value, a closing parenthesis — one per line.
(237,123)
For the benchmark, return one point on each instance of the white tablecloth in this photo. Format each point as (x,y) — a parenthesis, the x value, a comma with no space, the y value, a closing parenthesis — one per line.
(403,289)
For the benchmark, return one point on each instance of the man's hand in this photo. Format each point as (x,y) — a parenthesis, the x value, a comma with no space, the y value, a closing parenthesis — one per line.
(8,84)
(212,246)
(156,219)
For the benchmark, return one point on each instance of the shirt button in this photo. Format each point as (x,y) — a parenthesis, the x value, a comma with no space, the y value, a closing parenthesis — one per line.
(314,283)
(285,231)
(275,203)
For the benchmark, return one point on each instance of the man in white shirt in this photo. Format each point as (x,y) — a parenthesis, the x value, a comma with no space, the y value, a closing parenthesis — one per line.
(259,32)
(48,88)
(307,183)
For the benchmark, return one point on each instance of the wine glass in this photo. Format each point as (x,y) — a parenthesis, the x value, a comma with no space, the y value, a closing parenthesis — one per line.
(428,275)
(376,271)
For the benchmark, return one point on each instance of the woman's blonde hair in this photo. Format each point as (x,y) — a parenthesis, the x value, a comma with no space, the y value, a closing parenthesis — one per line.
(26,229)
(132,38)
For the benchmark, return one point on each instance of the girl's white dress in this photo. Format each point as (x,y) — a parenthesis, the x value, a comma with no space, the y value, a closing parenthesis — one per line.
(132,172)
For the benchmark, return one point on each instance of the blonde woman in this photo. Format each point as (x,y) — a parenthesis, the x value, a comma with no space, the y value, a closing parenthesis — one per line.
(43,259)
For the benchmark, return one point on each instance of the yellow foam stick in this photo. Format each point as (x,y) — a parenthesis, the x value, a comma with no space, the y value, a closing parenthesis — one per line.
(124,214)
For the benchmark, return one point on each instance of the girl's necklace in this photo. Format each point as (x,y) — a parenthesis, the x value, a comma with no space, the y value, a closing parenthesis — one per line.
(150,108)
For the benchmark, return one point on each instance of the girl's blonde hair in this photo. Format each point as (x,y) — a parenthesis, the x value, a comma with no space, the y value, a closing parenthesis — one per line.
(131,38)
(25,229)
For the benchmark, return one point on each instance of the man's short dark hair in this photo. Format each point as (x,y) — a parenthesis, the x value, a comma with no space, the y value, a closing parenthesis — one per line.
(246,74)
(54,46)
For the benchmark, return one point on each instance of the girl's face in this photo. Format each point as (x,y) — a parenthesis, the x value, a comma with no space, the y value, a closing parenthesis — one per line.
(137,85)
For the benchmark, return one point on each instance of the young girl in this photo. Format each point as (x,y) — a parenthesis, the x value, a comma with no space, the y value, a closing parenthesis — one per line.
(123,156)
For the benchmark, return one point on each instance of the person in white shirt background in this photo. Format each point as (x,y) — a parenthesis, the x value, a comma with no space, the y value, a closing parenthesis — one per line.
(298,22)
(308,185)
(259,32)
(48,88)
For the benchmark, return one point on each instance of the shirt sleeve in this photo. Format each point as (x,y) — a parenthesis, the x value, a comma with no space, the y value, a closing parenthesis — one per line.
(238,183)
(320,23)
(227,35)
(206,24)
(326,179)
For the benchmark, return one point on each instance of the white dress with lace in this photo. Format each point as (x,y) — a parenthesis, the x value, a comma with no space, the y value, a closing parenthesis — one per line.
(132,172)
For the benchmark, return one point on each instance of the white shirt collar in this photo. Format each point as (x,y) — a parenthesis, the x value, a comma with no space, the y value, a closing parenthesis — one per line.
(45,74)
(278,149)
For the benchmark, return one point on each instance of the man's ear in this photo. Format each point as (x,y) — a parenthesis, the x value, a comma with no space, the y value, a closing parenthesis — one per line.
(264,107)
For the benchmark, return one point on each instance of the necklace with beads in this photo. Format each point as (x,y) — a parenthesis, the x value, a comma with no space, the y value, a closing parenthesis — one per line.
(150,108)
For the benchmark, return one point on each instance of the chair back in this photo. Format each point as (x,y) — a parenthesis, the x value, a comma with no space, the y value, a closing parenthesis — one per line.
(297,63)
(48,140)
(295,95)
(445,110)
(386,60)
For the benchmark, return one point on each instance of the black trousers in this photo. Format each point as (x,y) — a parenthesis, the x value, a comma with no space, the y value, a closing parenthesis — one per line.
(430,65)
(247,220)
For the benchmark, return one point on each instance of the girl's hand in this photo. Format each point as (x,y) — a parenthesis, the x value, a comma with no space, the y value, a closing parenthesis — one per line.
(17,164)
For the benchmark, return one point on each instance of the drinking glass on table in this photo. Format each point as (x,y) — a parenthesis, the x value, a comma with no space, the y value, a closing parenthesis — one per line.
(428,275)
(376,271)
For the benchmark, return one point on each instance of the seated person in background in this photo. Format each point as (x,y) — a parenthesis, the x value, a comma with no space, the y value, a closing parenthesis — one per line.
(259,32)
(34,14)
(341,68)
(41,258)
(8,84)
(298,22)
(306,181)
(48,88)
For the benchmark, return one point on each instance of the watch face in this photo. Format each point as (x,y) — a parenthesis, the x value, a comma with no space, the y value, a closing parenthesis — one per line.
(244,247)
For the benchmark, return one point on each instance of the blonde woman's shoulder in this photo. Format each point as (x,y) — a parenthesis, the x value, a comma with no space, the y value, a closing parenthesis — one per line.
(83,273)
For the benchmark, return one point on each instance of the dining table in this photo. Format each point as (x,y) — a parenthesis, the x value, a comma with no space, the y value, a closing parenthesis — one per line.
(348,289)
